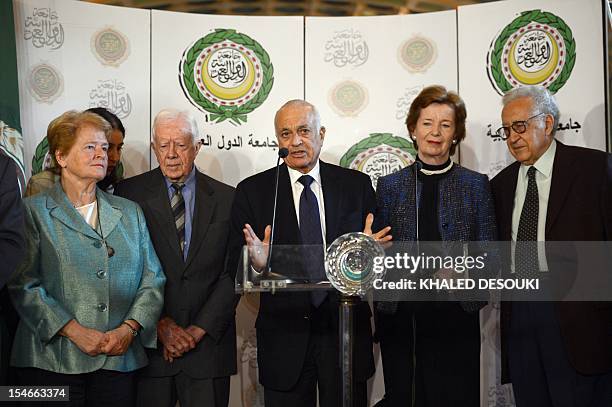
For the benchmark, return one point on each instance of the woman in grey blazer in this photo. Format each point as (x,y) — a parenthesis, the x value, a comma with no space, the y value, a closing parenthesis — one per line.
(90,291)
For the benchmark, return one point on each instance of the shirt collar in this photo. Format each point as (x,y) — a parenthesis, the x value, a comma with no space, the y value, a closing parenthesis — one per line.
(189,181)
(294,175)
(544,164)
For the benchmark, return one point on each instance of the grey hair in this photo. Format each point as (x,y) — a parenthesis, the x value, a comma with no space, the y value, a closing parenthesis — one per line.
(543,101)
(167,115)
(302,103)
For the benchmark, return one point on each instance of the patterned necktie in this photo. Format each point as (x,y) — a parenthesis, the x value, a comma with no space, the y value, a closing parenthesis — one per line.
(177,203)
(310,229)
(526,257)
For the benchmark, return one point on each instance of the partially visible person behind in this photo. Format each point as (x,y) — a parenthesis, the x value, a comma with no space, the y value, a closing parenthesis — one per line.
(431,351)
(90,289)
(12,244)
(47,178)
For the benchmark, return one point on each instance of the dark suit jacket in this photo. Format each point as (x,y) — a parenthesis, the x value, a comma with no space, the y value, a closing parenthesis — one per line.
(12,243)
(283,323)
(579,209)
(199,291)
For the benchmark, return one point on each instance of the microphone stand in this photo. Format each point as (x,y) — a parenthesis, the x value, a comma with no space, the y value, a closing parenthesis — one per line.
(417,168)
(282,153)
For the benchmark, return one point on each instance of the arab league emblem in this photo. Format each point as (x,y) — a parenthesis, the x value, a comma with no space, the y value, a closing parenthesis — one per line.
(536,48)
(379,154)
(348,98)
(46,83)
(417,54)
(110,46)
(227,74)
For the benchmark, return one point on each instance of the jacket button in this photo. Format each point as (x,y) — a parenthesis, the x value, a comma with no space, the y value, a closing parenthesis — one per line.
(97,244)
(306,317)
(102,307)
(101,274)
(445,225)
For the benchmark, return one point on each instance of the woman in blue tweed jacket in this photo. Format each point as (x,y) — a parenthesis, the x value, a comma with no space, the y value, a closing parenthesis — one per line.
(431,350)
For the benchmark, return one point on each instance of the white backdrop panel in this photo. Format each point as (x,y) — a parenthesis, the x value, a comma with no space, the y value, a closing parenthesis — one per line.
(581,99)
(59,70)
(386,60)
(281,37)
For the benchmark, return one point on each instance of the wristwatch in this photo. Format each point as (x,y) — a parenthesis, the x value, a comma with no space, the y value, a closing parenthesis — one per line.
(133,331)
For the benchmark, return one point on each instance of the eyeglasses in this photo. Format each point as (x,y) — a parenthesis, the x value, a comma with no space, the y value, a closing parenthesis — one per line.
(519,127)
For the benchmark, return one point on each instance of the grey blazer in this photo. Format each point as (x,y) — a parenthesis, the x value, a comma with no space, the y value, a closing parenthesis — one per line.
(68,275)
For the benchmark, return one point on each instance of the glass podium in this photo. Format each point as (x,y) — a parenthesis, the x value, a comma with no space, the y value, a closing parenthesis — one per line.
(349,269)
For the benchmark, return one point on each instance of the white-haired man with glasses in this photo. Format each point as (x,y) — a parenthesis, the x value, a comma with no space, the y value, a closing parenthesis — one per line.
(555,354)
(187,214)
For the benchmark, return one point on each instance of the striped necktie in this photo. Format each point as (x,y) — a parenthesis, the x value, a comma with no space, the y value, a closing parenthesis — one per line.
(177,203)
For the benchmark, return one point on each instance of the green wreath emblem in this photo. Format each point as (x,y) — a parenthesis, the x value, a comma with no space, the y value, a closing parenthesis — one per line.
(373,141)
(532,16)
(236,114)
(38,160)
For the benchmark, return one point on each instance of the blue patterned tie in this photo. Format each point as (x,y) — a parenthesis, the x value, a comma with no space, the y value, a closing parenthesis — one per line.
(310,230)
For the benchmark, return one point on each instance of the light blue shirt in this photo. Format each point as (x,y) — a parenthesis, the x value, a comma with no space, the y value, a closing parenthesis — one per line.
(189,196)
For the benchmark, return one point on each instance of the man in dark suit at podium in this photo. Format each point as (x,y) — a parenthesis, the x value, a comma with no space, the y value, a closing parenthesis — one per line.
(555,354)
(297,332)
(187,215)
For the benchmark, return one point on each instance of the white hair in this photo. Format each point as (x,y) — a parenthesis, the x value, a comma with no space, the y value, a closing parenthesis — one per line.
(190,126)
(302,103)
(543,101)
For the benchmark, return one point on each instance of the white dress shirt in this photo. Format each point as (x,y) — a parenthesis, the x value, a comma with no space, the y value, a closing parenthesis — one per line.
(543,166)
(316,187)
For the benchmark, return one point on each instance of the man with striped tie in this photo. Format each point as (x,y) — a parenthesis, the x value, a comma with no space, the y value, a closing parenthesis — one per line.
(188,215)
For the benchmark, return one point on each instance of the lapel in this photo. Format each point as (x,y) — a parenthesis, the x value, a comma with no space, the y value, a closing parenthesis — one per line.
(404,213)
(109,215)
(507,202)
(286,229)
(563,175)
(61,209)
(160,206)
(332,196)
(204,208)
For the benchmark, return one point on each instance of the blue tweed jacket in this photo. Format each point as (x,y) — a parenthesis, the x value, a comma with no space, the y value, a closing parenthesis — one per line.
(466,212)
(67,274)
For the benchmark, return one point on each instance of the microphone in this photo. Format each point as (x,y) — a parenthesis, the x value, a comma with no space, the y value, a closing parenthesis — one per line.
(282,153)
(417,168)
